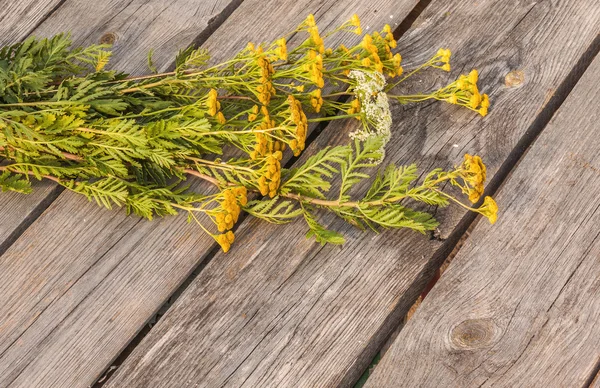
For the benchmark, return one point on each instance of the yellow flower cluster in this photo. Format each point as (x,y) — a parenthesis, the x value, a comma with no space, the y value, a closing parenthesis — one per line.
(473,172)
(299,119)
(443,57)
(265,90)
(287,126)
(225,240)
(314,68)
(261,146)
(316,100)
(269,182)
(373,51)
(253,113)
(378,50)
(282,53)
(313,30)
(229,207)
(263,141)
(464,92)
(212,103)
(489,209)
(396,61)
(354,108)
(355,21)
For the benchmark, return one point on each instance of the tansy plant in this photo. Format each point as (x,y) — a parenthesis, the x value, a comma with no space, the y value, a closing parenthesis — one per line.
(133,141)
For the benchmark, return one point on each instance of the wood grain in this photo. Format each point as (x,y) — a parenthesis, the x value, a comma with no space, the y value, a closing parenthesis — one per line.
(95,277)
(520,304)
(134,27)
(281,311)
(19,18)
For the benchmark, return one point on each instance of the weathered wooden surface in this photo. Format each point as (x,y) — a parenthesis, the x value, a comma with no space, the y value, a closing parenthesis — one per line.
(136,26)
(520,304)
(280,311)
(19,18)
(89,290)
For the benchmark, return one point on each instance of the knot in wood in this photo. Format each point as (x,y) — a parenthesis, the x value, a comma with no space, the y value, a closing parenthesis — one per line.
(108,38)
(514,78)
(474,334)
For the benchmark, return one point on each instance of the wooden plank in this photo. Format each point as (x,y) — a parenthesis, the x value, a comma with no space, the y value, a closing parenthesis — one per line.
(281,311)
(17,20)
(41,281)
(520,304)
(92,278)
(136,26)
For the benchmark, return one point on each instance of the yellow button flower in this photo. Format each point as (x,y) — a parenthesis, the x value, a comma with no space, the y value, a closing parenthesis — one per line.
(489,209)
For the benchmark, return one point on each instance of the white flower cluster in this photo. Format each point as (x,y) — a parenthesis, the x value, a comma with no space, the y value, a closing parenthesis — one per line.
(375,106)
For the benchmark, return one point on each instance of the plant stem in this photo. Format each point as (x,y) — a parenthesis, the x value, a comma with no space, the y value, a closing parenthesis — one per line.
(66,155)
(50,177)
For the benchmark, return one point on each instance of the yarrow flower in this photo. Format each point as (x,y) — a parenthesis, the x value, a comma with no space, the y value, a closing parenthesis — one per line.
(374,106)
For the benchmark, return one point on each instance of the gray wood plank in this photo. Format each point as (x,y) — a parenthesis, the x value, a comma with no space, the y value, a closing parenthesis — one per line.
(95,277)
(280,311)
(520,305)
(17,20)
(41,280)
(136,26)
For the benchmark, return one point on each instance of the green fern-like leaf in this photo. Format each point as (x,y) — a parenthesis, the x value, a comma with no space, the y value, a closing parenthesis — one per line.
(14,182)
(394,182)
(105,192)
(273,210)
(320,233)
(365,155)
(310,178)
